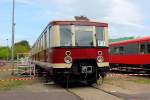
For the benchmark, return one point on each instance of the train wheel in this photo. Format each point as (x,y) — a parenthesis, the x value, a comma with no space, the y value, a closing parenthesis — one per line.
(100,80)
(90,82)
(63,80)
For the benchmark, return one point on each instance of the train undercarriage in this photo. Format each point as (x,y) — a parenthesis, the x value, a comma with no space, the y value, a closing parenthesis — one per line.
(81,71)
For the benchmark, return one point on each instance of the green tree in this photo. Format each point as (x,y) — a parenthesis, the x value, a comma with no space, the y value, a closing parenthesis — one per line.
(4,53)
(20,47)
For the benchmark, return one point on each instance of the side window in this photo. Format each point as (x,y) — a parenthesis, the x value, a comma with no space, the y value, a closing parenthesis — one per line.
(41,43)
(119,50)
(148,48)
(142,49)
(42,46)
(48,37)
(116,50)
(44,40)
(132,48)
(39,46)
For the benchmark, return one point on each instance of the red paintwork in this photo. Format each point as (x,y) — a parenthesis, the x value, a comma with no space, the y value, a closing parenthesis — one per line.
(138,40)
(130,59)
(57,54)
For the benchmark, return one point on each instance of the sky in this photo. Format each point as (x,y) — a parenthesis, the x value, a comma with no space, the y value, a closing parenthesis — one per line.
(125,17)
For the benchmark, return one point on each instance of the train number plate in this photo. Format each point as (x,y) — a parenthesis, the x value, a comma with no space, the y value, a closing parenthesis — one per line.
(87,69)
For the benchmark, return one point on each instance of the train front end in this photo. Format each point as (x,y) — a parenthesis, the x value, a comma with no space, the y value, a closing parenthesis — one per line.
(81,50)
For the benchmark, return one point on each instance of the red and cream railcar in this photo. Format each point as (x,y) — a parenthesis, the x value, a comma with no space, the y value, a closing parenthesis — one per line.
(135,52)
(76,48)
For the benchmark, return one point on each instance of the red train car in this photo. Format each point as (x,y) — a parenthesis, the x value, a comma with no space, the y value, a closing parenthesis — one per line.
(135,52)
(77,49)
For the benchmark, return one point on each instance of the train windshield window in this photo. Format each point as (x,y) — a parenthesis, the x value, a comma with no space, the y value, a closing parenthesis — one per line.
(84,35)
(148,48)
(100,36)
(65,36)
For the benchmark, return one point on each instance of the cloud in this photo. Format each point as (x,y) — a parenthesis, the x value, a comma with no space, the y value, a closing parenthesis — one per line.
(28,2)
(18,1)
(125,17)
(121,12)
(125,12)
(116,11)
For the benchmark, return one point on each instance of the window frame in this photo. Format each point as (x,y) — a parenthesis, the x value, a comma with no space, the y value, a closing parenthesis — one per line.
(71,32)
(103,41)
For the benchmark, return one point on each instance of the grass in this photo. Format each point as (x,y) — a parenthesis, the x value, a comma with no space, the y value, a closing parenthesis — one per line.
(141,80)
(11,85)
(126,82)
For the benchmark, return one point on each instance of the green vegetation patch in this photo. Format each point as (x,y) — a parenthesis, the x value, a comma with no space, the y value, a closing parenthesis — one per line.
(20,47)
(141,80)
(10,85)
(4,52)
(135,79)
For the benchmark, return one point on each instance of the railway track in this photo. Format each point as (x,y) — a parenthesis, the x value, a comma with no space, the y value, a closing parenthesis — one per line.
(131,71)
(93,93)
(109,92)
(85,92)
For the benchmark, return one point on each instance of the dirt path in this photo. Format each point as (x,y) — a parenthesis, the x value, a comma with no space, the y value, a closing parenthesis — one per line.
(125,87)
(30,89)
(128,87)
(38,91)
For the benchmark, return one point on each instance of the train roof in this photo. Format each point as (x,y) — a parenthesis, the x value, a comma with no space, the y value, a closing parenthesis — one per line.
(81,20)
(77,21)
(137,40)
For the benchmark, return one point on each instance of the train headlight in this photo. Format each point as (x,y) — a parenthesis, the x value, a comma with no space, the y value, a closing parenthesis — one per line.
(68,59)
(68,53)
(100,59)
(99,53)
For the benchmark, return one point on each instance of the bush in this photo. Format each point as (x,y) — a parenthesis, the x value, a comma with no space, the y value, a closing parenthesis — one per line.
(20,47)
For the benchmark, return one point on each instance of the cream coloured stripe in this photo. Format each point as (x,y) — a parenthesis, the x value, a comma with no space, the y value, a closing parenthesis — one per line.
(104,64)
(61,65)
(64,65)
(106,36)
(54,65)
